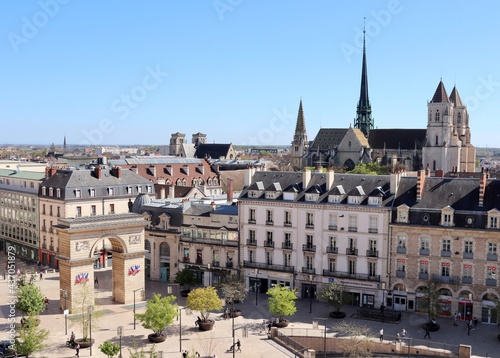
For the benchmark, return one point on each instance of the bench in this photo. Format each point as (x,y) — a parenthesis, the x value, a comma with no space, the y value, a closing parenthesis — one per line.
(378,315)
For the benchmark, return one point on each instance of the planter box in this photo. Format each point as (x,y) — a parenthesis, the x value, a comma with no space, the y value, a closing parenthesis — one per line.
(338,315)
(153,338)
(281,324)
(85,344)
(206,326)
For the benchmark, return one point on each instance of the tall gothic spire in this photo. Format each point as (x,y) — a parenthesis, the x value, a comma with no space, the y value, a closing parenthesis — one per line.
(364,119)
(301,124)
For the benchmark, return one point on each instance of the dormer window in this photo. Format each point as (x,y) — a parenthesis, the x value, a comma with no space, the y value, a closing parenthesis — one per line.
(58,192)
(334,198)
(111,191)
(375,200)
(447,216)
(270,195)
(44,191)
(51,191)
(354,199)
(493,219)
(92,193)
(312,197)
(78,193)
(403,214)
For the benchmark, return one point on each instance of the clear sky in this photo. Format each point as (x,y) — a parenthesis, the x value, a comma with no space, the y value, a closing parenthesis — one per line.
(133,72)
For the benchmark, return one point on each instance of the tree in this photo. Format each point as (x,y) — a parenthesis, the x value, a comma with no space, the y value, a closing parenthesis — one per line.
(336,294)
(84,298)
(185,278)
(160,313)
(136,353)
(30,338)
(204,300)
(359,340)
(281,301)
(234,289)
(30,299)
(109,348)
(430,302)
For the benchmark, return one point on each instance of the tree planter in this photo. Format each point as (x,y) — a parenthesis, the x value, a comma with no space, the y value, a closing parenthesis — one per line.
(281,324)
(206,326)
(337,314)
(154,338)
(85,344)
(432,327)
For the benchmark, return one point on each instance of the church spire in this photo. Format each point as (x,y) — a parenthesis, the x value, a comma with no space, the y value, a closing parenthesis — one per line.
(364,119)
(299,143)
(301,124)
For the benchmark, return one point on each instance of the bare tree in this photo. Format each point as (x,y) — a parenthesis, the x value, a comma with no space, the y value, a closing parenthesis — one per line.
(357,339)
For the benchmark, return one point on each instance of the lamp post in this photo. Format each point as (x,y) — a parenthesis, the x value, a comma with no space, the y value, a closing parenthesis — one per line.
(324,335)
(90,327)
(119,331)
(209,266)
(180,325)
(134,301)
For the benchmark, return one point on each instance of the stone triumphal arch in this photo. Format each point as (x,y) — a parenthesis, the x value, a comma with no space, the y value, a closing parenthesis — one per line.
(78,239)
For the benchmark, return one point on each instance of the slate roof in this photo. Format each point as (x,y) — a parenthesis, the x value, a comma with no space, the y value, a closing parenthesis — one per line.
(212,150)
(455,97)
(404,139)
(328,138)
(440,96)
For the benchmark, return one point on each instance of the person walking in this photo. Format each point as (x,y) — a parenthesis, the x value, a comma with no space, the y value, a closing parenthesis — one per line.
(381,334)
(468,328)
(475,323)
(238,346)
(77,348)
(41,276)
(403,332)
(427,332)
(455,319)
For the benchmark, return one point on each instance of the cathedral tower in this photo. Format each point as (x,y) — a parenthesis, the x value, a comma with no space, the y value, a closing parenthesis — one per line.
(299,143)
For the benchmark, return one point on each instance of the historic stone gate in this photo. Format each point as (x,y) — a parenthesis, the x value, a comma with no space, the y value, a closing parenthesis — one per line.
(78,237)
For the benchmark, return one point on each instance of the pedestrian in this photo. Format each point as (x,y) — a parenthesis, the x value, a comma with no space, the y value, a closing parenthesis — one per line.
(475,323)
(184,353)
(238,346)
(381,334)
(269,325)
(77,348)
(397,337)
(4,273)
(403,332)
(427,331)
(96,282)
(455,318)
(46,301)
(41,276)
(468,328)
(197,355)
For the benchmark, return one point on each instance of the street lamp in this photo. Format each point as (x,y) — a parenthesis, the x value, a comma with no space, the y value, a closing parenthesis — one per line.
(180,325)
(90,308)
(324,336)
(142,294)
(209,266)
(257,284)
(119,331)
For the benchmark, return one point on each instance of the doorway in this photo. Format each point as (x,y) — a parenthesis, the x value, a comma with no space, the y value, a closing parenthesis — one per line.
(400,303)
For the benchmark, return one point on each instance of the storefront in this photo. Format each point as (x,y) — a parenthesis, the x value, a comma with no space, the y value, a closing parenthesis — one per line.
(399,298)
(489,309)
(361,293)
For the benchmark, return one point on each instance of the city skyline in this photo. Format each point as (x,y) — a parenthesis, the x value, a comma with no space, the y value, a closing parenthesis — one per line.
(122,73)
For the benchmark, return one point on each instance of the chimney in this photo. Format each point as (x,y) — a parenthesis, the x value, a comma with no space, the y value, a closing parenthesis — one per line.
(330,176)
(482,186)
(306,177)
(248,177)
(49,171)
(439,173)
(162,192)
(420,184)
(395,179)
(135,169)
(230,189)
(171,191)
(427,171)
(117,172)
(98,171)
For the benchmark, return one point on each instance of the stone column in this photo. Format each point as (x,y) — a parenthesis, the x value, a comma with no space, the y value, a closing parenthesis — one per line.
(128,275)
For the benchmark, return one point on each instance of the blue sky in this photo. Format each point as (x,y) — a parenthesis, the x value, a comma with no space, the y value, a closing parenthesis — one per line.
(130,72)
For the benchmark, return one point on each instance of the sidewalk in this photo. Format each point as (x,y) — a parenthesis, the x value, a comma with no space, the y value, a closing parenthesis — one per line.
(484,341)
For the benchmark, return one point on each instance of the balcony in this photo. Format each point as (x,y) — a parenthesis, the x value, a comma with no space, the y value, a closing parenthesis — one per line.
(309,247)
(44,228)
(492,257)
(371,253)
(445,253)
(270,223)
(44,246)
(251,242)
(229,264)
(309,226)
(400,273)
(355,276)
(205,240)
(445,279)
(353,229)
(287,246)
(491,282)
(199,261)
(468,255)
(467,280)
(401,250)
(351,251)
(423,275)
(215,263)
(332,250)
(332,227)
(51,247)
(287,224)
(269,243)
(424,252)
(185,259)
(373,230)
(252,221)
(310,271)
(264,266)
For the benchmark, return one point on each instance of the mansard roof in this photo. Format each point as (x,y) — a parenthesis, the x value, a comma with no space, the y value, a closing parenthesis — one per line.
(328,138)
(404,139)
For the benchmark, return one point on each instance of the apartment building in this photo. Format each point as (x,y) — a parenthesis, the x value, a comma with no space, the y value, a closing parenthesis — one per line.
(446,230)
(304,230)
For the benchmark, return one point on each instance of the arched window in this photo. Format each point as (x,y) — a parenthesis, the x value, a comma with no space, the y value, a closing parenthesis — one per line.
(179,182)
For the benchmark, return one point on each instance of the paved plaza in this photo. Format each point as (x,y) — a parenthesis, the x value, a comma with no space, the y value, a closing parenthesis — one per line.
(484,341)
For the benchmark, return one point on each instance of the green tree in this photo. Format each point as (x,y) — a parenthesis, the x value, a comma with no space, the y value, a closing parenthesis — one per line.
(30,338)
(84,297)
(430,302)
(204,300)
(135,352)
(185,278)
(336,294)
(30,299)
(281,301)
(109,348)
(369,169)
(160,313)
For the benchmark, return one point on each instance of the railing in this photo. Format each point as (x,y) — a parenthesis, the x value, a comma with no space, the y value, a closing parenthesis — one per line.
(199,261)
(491,282)
(355,276)
(309,226)
(332,227)
(287,224)
(468,255)
(400,273)
(371,253)
(269,243)
(352,252)
(353,229)
(252,221)
(373,230)
(423,275)
(216,263)
(271,223)
(261,265)
(401,250)
(251,242)
(445,279)
(51,247)
(492,257)
(309,247)
(467,280)
(229,264)
(445,253)
(209,241)
(185,259)
(310,271)
(287,245)
(332,249)
(424,252)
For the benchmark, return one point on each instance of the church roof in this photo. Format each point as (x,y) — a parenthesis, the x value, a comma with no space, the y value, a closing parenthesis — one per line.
(363,141)
(328,138)
(212,150)
(396,138)
(440,96)
(455,97)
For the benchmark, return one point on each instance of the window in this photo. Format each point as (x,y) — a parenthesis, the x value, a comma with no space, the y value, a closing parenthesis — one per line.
(424,243)
(372,269)
(352,267)
(437,117)
(287,259)
(352,243)
(373,225)
(269,237)
(111,191)
(50,211)
(423,267)
(92,193)
(78,193)
(309,262)
(491,272)
(332,221)
(78,211)
(333,241)
(467,271)
(51,190)
(58,192)
(468,247)
(93,210)
(111,208)
(58,212)
(309,219)
(269,217)
(150,189)
(372,244)
(251,214)
(269,257)
(288,239)
(129,190)
(331,265)
(251,255)
(139,189)
(492,248)
(43,209)
(445,269)
(493,221)
(437,140)
(288,218)
(44,191)
(447,220)
(251,235)
(446,245)
(353,223)
(401,265)
(402,215)
(401,241)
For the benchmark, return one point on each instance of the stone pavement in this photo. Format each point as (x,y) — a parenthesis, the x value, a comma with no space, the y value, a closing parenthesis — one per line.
(483,341)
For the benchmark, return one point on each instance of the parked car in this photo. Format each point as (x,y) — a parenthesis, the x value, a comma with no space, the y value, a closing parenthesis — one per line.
(6,350)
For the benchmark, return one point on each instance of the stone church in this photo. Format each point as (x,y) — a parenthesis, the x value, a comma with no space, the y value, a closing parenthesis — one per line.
(445,144)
